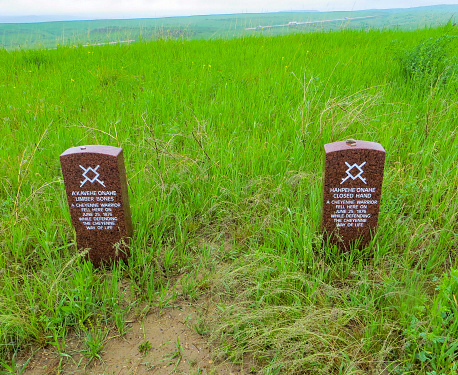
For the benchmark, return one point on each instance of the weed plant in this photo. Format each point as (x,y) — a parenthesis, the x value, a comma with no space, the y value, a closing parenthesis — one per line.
(433,62)
(94,337)
(223,143)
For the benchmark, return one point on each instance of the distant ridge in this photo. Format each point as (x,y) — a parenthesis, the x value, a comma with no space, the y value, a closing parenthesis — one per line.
(34,31)
(298,11)
(453,8)
(38,19)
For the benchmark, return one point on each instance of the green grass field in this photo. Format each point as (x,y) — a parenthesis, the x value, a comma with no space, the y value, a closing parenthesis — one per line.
(53,34)
(223,141)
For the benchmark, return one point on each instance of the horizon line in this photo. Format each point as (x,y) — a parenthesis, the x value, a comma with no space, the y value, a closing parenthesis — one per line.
(66,17)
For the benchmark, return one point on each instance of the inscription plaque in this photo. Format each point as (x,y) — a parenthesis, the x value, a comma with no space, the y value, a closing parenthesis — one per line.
(96,186)
(352,189)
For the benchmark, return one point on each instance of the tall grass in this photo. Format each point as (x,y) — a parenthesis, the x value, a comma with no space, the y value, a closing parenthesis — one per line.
(223,143)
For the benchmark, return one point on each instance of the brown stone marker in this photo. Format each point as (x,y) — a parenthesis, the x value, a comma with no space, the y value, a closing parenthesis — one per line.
(353,179)
(96,186)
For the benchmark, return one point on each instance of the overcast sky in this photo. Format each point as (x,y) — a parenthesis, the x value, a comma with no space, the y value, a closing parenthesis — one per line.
(160,8)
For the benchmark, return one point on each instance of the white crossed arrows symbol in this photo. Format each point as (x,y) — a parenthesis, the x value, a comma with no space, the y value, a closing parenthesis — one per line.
(350,167)
(87,178)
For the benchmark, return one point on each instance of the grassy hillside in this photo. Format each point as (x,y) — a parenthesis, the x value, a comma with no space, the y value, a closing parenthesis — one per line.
(52,34)
(223,143)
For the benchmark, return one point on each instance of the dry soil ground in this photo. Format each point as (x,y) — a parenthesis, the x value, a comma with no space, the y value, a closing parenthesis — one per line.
(162,341)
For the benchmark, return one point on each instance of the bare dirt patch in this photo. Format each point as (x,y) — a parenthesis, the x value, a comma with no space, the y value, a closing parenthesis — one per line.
(162,342)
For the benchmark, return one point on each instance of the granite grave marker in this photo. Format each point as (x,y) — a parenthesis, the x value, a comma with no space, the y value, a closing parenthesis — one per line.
(96,186)
(352,189)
